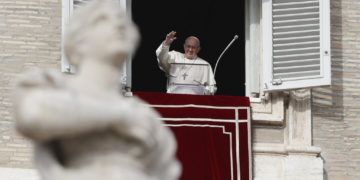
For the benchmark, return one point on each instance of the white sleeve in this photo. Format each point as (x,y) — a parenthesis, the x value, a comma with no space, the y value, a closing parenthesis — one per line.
(163,57)
(211,83)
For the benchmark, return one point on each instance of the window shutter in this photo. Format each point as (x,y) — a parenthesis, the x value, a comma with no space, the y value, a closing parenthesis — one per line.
(296,44)
(68,6)
(78,3)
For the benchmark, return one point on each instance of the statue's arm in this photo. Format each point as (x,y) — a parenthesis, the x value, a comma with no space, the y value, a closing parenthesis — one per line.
(44,114)
(51,169)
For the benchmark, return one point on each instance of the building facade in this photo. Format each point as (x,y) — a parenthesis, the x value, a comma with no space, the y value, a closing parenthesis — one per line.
(297,134)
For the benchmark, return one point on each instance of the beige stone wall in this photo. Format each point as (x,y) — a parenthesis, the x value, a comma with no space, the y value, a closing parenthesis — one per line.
(30,37)
(30,32)
(336,110)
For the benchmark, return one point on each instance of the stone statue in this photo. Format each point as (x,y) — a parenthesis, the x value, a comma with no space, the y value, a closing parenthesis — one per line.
(81,126)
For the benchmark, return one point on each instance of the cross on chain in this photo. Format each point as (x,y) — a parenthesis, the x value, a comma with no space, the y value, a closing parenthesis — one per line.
(184,75)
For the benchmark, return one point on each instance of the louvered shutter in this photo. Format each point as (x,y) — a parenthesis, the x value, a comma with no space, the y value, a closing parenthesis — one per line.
(296,44)
(78,3)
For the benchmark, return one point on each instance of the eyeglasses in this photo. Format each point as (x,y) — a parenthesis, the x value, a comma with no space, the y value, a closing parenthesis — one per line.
(191,47)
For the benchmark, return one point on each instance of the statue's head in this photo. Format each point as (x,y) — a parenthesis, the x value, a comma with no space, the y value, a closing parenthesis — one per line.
(100,31)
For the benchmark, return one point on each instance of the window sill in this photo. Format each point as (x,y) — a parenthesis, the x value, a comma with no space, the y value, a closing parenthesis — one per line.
(270,112)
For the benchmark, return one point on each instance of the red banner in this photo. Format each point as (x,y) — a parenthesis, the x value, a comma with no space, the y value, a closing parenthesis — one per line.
(212,132)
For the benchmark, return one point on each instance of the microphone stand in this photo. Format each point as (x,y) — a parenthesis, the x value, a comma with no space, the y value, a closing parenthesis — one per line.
(227,47)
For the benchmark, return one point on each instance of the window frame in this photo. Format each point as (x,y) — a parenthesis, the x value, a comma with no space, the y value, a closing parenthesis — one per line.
(66,67)
(67,7)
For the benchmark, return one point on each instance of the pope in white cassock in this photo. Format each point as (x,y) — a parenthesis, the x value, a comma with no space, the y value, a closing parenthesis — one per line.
(187,73)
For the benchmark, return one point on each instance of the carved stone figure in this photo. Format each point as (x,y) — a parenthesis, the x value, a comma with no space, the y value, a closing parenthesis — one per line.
(81,126)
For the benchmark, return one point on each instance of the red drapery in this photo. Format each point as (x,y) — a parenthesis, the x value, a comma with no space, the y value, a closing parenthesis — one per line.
(212,133)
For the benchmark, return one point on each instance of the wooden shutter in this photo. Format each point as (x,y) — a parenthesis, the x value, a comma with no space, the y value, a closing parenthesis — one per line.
(296,44)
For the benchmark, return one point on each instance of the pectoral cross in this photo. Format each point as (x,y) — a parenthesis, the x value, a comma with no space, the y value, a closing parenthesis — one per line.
(184,75)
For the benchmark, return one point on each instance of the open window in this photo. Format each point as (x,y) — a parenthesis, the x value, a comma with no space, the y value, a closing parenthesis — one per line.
(214,23)
(285,44)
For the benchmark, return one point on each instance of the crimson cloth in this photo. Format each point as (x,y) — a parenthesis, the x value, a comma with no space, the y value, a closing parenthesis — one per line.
(212,133)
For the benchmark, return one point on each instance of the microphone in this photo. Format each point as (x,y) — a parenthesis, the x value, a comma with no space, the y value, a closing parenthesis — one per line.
(227,47)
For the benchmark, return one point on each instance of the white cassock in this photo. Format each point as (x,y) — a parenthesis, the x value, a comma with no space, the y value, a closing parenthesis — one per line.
(186,76)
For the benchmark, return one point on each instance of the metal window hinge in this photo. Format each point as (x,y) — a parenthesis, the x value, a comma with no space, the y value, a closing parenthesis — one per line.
(276,82)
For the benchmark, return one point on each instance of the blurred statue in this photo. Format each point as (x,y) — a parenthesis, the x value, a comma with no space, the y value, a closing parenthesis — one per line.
(81,126)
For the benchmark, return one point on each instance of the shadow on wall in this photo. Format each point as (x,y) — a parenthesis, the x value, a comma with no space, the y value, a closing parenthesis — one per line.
(328,106)
(331,97)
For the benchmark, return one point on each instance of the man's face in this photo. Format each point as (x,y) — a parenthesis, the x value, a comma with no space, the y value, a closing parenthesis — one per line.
(191,48)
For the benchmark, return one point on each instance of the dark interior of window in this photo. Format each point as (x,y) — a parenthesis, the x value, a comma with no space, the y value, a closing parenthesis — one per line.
(215,23)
